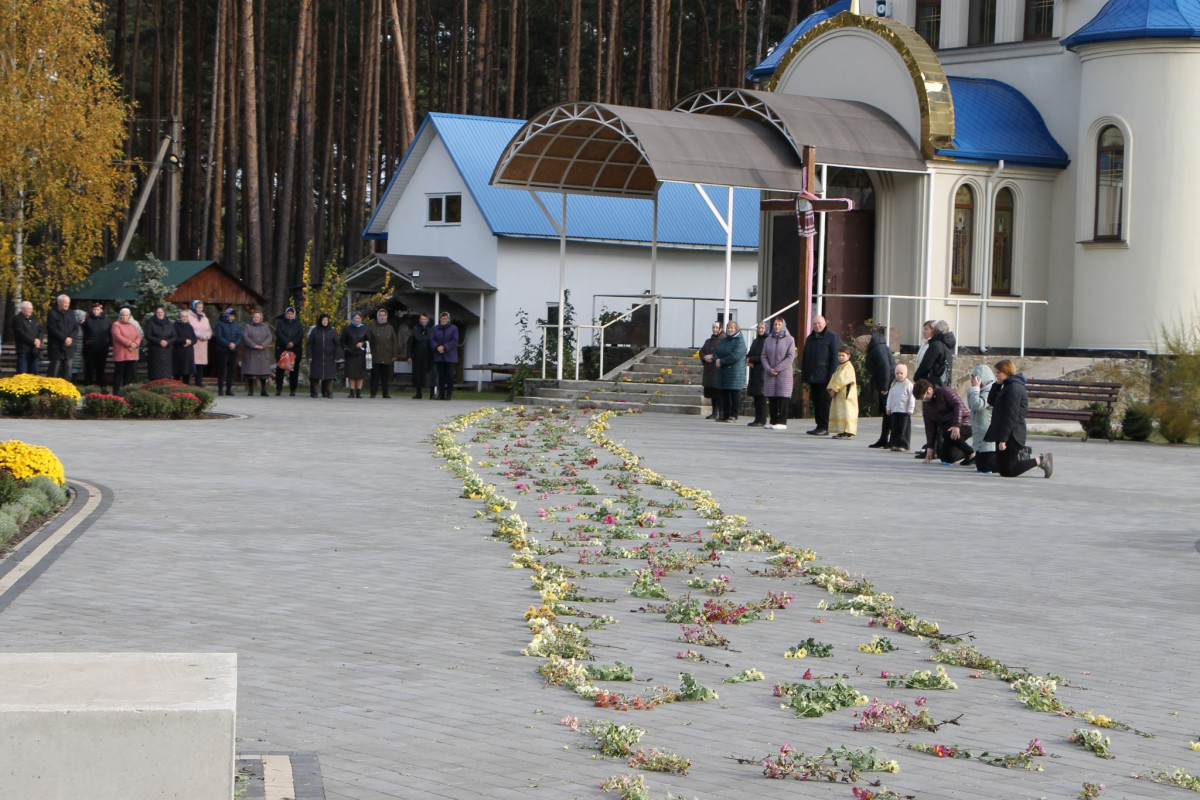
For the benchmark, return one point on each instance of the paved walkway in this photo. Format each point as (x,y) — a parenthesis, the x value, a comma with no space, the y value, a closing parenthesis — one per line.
(377,627)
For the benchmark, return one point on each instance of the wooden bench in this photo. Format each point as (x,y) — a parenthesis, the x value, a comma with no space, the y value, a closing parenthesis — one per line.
(1074,391)
(506,370)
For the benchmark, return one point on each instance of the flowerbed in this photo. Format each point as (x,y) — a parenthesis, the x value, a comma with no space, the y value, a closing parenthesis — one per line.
(28,395)
(31,485)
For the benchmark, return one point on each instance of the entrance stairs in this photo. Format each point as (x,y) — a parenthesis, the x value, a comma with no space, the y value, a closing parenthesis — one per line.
(661,380)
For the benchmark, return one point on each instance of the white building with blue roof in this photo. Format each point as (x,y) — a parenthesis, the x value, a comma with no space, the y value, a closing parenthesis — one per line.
(440,203)
(1055,133)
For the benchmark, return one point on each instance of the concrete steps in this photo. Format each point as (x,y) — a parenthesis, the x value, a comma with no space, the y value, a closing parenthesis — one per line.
(663,381)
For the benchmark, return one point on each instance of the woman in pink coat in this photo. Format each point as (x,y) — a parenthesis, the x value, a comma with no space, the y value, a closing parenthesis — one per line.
(126,339)
(204,332)
(778,355)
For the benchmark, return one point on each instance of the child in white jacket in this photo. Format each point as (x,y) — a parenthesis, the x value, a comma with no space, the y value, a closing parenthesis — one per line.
(899,408)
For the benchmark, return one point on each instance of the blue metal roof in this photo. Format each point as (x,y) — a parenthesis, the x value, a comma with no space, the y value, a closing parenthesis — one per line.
(475,144)
(994,121)
(768,65)
(1140,19)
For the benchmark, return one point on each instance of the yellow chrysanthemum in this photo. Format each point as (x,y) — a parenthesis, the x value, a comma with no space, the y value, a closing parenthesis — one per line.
(29,460)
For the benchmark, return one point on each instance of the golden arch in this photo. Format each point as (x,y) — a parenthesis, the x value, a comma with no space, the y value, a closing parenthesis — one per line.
(929,79)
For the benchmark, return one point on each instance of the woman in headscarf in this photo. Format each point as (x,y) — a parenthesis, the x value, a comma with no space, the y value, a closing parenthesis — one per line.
(1010,402)
(356,338)
(708,378)
(982,379)
(779,355)
(228,336)
(256,357)
(323,347)
(160,336)
(730,359)
(204,332)
(755,386)
(126,339)
(183,351)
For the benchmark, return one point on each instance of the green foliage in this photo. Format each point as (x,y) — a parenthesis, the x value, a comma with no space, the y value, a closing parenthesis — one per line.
(647,585)
(1093,740)
(924,679)
(1138,423)
(10,488)
(602,672)
(8,527)
(529,359)
(149,291)
(615,740)
(1038,693)
(323,298)
(49,406)
(36,502)
(1100,425)
(56,494)
(104,406)
(815,699)
(1176,401)
(690,689)
(147,405)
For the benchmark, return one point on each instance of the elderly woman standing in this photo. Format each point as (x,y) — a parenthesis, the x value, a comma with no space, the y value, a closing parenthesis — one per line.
(126,339)
(779,354)
(256,355)
(160,336)
(183,351)
(323,348)
(708,378)
(228,336)
(730,359)
(204,332)
(755,386)
(356,338)
(1010,402)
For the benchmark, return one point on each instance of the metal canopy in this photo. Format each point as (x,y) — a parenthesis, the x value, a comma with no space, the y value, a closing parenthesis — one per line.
(845,133)
(422,273)
(622,151)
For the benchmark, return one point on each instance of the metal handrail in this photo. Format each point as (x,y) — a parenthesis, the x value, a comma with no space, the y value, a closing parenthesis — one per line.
(654,300)
(957,300)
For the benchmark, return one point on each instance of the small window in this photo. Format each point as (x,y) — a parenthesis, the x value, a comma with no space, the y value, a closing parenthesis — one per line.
(964,235)
(444,209)
(929,21)
(1002,243)
(981,22)
(1039,19)
(1110,182)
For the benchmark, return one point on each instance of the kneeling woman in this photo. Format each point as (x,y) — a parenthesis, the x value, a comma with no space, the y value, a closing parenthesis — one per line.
(1010,401)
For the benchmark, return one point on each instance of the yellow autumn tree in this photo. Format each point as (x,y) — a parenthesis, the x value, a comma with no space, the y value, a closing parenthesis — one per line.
(323,298)
(62,129)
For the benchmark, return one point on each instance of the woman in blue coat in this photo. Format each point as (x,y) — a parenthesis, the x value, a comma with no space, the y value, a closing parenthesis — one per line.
(730,359)
(227,336)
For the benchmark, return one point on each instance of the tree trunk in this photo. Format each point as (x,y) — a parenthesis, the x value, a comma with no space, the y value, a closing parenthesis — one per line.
(574,34)
(234,254)
(407,101)
(285,208)
(479,62)
(250,174)
(210,235)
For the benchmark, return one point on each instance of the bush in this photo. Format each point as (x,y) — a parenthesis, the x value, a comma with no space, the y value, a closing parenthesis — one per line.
(10,488)
(18,511)
(56,494)
(35,501)
(148,405)
(18,393)
(184,405)
(168,387)
(1100,425)
(1137,424)
(52,406)
(105,406)
(8,528)
(1175,419)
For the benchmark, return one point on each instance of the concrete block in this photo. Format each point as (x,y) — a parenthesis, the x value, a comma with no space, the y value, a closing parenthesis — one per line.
(117,726)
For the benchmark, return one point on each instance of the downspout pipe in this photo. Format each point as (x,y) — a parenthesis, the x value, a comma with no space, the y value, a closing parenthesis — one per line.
(989,253)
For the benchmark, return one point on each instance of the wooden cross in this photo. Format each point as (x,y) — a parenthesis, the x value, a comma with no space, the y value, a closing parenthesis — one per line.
(808,159)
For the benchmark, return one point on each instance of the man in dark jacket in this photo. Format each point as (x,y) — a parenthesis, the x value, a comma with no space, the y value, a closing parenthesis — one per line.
(28,334)
(62,329)
(289,338)
(444,341)
(816,367)
(951,420)
(385,349)
(420,355)
(96,340)
(882,367)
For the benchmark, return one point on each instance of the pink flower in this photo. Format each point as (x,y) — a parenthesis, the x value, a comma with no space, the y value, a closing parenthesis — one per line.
(885,674)
(609,519)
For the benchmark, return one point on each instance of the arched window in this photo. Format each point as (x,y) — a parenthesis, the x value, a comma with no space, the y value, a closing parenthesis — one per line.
(964,235)
(929,21)
(981,22)
(1039,19)
(1110,182)
(1002,243)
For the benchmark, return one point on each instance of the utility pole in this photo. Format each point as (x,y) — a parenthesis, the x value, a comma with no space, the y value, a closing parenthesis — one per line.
(174,179)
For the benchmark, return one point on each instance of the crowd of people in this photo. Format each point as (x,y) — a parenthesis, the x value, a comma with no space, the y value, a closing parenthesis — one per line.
(180,349)
(986,431)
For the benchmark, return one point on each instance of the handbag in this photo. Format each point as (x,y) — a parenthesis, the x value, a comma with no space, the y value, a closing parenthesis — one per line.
(287,361)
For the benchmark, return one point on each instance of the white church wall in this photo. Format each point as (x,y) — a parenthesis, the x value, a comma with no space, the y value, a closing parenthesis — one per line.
(1124,291)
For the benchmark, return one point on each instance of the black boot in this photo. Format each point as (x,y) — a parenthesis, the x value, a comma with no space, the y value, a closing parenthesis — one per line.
(417,396)
(250,387)
(312,390)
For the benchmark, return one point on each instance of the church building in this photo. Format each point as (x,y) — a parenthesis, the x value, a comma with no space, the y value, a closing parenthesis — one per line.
(1053,209)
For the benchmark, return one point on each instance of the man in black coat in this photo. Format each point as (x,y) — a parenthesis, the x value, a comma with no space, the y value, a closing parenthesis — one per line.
(420,356)
(882,367)
(289,337)
(96,340)
(62,329)
(816,368)
(28,334)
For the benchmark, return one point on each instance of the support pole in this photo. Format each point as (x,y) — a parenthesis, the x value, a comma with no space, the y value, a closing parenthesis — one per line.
(479,374)
(820,285)
(562,282)
(653,277)
(155,168)
(808,158)
(728,250)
